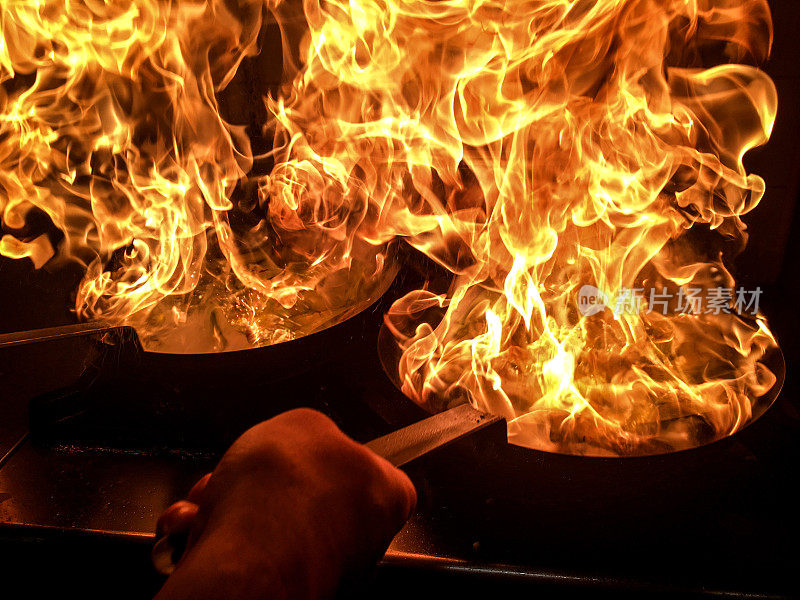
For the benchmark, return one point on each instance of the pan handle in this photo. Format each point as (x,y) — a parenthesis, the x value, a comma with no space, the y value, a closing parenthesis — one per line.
(20,338)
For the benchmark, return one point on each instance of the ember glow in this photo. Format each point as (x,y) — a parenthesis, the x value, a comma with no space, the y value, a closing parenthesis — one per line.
(529,147)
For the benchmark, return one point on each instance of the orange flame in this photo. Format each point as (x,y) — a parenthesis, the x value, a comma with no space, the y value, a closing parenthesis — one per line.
(596,149)
(530,147)
(110,124)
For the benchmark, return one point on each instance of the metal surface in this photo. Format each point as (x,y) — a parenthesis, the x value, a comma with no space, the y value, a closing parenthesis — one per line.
(49,334)
(90,384)
(99,490)
(409,443)
(489,512)
(718,520)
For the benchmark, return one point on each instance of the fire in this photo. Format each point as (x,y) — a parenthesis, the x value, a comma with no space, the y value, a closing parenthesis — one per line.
(599,155)
(576,166)
(111,125)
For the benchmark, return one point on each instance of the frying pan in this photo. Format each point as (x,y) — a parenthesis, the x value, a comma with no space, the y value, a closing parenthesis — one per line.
(508,492)
(96,382)
(389,354)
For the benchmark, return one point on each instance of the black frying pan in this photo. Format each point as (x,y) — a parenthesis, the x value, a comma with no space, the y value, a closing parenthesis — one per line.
(96,381)
(511,494)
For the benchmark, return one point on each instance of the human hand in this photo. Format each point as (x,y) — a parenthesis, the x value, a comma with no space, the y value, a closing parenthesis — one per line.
(293,510)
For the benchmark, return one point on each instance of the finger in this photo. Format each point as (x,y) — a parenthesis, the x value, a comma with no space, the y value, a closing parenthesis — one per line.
(403,489)
(403,495)
(178,518)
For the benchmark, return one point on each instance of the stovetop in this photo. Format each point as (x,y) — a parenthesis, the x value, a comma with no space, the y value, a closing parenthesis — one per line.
(80,494)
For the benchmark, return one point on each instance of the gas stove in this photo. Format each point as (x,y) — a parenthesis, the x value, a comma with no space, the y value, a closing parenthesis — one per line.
(88,467)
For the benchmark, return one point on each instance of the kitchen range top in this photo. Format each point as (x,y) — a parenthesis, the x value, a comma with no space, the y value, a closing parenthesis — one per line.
(87,468)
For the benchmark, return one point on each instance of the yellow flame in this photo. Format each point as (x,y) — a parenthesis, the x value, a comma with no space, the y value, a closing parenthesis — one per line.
(111,125)
(530,147)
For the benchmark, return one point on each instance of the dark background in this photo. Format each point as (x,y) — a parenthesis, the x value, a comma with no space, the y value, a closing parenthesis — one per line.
(778,162)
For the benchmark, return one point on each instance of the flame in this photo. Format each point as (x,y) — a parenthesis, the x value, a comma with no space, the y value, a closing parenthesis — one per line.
(111,125)
(529,147)
(588,146)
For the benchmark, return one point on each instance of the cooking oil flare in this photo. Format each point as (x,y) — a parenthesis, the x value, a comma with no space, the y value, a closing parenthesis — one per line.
(533,148)
(111,125)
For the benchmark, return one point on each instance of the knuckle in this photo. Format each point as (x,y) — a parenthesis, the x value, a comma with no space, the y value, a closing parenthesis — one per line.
(347,455)
(306,417)
(388,506)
